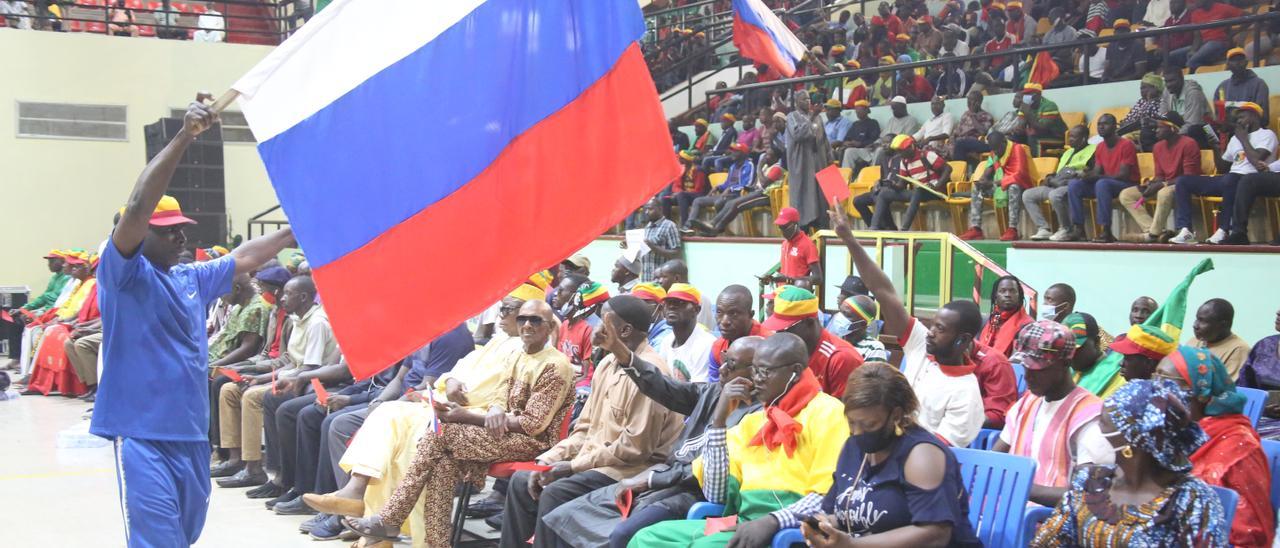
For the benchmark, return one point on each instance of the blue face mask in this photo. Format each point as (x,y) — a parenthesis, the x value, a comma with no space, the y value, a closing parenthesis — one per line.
(840,325)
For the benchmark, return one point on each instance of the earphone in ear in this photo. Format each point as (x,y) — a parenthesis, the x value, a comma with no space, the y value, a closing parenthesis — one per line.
(784,390)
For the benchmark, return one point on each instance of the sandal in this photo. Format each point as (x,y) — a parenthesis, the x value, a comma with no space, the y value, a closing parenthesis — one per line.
(359,526)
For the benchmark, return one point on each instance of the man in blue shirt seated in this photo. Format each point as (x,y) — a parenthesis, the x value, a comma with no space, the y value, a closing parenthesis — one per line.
(153,398)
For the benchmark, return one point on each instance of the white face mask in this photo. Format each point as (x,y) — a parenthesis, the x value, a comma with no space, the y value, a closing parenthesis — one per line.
(1027,99)
(840,325)
(1048,311)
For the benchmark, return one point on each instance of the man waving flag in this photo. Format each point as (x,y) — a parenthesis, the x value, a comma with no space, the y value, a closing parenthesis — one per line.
(760,36)
(431,159)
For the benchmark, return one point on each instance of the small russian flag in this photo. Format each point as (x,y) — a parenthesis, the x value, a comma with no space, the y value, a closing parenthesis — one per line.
(430,155)
(760,36)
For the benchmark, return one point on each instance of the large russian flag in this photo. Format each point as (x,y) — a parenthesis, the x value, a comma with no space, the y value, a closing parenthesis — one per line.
(430,155)
(760,36)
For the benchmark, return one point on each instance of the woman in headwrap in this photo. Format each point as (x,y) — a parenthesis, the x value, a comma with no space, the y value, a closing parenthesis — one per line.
(1154,436)
(1233,456)
(1142,114)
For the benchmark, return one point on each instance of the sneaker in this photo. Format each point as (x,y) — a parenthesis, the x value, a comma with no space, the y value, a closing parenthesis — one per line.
(310,525)
(1236,238)
(1010,235)
(1041,235)
(329,528)
(1185,236)
(293,507)
(1218,236)
(974,233)
(1061,235)
(283,498)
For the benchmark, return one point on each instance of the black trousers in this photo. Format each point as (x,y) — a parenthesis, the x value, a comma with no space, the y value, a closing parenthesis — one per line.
(1250,188)
(522,515)
(733,207)
(312,469)
(284,415)
(215,391)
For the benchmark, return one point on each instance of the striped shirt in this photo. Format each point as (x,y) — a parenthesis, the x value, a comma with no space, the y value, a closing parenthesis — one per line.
(664,233)
(926,167)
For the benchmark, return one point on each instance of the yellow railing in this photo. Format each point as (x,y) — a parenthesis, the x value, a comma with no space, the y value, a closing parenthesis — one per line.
(948,244)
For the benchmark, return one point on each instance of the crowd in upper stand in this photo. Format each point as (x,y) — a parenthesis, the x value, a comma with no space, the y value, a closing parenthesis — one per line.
(630,401)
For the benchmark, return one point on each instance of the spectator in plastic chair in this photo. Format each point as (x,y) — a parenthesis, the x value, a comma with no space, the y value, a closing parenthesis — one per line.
(1141,117)
(935,359)
(777,474)
(121,19)
(1249,150)
(691,185)
(741,177)
(664,491)
(211,26)
(728,136)
(676,271)
(1244,86)
(1141,350)
(749,197)
(1010,162)
(1076,160)
(1093,371)
(1211,43)
(750,133)
(901,123)
(927,167)
(625,275)
(465,441)
(688,350)
(1007,317)
(836,127)
(1233,456)
(854,322)
(1056,422)
(1041,117)
(935,133)
(1126,59)
(861,141)
(1248,189)
(166,17)
(1152,435)
(890,461)
(831,358)
(605,445)
(702,139)
(1261,369)
(974,124)
(1212,329)
(1115,169)
(1175,155)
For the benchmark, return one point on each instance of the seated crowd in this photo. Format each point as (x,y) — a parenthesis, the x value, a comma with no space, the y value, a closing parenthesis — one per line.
(611,411)
(165,19)
(777,139)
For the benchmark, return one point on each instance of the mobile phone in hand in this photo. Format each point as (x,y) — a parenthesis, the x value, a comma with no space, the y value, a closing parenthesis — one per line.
(814,524)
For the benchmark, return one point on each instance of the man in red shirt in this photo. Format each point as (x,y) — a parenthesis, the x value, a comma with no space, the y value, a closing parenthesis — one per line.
(1175,155)
(1115,168)
(996,65)
(736,320)
(1210,43)
(891,22)
(799,255)
(1010,165)
(996,381)
(831,359)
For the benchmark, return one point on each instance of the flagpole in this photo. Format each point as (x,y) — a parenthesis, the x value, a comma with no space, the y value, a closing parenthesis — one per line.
(224,101)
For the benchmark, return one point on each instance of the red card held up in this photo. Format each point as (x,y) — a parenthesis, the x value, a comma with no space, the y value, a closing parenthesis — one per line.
(834,187)
(625,498)
(716,525)
(322,395)
(230,374)
(4,315)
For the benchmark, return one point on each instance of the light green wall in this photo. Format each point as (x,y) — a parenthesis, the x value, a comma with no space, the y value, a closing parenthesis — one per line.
(62,193)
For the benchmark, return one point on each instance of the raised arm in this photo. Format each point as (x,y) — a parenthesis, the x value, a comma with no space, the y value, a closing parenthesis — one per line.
(895,313)
(254,253)
(155,178)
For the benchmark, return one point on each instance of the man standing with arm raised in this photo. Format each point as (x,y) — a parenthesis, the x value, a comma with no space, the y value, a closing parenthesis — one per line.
(935,359)
(153,396)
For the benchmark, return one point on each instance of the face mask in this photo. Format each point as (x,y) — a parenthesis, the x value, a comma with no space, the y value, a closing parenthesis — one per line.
(840,325)
(1027,99)
(875,442)
(1048,311)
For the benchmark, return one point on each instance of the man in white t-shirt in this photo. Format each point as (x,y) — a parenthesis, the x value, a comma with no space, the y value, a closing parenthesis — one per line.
(1056,422)
(1249,150)
(935,359)
(688,349)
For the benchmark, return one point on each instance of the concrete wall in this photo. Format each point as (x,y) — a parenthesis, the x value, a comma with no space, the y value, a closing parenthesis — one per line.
(61,192)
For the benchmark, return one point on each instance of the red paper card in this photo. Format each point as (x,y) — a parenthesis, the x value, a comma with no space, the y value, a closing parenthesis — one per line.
(834,187)
(530,466)
(4,315)
(322,395)
(625,498)
(230,374)
(716,525)
(273,383)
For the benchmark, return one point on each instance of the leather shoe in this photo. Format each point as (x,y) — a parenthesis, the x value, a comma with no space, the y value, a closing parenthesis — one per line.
(243,479)
(293,507)
(494,521)
(268,490)
(331,504)
(225,469)
(484,508)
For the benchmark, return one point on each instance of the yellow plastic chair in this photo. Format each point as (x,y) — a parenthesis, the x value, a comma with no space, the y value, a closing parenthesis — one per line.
(1118,112)
(1045,166)
(1274,106)
(867,178)
(847,173)
(716,180)
(1072,119)
(1208,162)
(958,168)
(1146,166)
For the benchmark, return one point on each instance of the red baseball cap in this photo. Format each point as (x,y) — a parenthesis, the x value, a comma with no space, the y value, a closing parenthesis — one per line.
(787,215)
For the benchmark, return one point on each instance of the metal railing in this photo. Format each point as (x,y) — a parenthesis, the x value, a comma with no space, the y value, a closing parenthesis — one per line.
(163,22)
(261,224)
(1017,53)
(948,245)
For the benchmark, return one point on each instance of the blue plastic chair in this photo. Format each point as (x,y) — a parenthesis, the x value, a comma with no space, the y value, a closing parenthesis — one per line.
(998,485)
(986,439)
(1031,520)
(1229,500)
(1020,373)
(782,539)
(1272,449)
(1254,400)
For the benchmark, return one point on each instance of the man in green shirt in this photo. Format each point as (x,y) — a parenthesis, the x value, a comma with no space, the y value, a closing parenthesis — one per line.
(51,291)
(1044,122)
(1075,160)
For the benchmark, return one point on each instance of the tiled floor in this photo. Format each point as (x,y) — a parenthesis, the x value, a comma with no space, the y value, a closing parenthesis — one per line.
(68,497)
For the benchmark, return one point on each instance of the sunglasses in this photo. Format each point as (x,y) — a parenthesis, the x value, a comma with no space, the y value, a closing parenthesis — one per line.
(531,320)
(766,371)
(504,311)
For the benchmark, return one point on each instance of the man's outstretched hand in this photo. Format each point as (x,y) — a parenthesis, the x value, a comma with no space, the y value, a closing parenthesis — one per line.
(200,116)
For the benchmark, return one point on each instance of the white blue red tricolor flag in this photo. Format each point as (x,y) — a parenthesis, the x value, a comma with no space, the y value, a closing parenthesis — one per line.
(760,36)
(431,154)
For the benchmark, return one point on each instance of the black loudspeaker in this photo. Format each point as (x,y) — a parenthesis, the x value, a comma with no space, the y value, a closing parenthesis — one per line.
(198,183)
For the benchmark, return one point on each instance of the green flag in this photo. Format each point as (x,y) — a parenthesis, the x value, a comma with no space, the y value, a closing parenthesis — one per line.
(1168,318)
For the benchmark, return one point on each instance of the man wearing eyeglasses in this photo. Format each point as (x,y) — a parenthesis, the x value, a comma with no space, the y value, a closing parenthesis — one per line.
(831,359)
(619,433)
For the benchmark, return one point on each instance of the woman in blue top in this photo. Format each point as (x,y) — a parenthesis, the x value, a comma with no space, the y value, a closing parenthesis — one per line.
(896,483)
